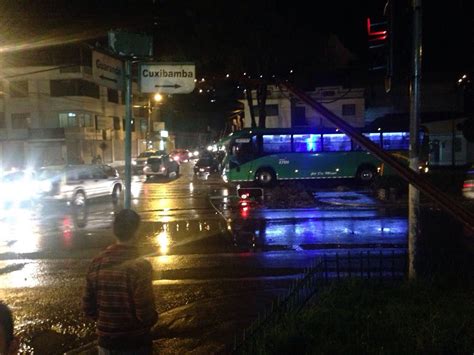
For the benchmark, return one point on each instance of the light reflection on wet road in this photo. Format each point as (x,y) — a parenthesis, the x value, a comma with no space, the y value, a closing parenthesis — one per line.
(45,250)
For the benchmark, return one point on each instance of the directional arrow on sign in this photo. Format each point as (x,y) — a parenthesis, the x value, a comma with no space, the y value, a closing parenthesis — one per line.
(176,86)
(103,77)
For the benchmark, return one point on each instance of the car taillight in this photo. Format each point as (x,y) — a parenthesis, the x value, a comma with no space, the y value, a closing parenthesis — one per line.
(468,185)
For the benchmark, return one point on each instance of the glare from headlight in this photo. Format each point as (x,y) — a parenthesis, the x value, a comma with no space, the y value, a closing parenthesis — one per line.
(45,186)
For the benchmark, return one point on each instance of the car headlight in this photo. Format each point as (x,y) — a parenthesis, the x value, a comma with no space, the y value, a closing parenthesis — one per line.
(196,153)
(45,186)
(134,162)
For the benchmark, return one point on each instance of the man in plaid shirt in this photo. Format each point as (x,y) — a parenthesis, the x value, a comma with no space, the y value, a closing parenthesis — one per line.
(119,294)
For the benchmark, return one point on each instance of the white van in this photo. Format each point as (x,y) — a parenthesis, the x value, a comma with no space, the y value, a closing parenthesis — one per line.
(78,183)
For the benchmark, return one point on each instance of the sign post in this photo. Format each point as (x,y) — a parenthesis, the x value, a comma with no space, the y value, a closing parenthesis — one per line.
(169,78)
(127,45)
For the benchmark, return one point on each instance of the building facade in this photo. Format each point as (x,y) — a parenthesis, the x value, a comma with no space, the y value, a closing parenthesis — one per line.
(283,111)
(53,115)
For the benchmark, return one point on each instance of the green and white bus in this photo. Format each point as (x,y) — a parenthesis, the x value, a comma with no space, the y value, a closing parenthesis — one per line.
(265,156)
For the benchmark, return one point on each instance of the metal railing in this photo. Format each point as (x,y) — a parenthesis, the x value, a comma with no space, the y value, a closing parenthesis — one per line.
(324,270)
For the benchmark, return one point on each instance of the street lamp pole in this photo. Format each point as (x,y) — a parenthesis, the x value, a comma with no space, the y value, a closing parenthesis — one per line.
(415,107)
(128,133)
(148,133)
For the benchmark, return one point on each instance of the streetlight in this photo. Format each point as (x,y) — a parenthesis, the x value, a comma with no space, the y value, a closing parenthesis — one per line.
(156,98)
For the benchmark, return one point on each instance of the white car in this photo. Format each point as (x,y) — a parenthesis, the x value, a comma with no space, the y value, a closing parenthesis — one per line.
(162,165)
(468,186)
(78,183)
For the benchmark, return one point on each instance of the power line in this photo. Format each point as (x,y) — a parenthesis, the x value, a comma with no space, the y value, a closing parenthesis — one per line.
(38,71)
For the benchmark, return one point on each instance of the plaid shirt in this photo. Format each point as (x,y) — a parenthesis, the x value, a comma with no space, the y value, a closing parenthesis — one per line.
(119,296)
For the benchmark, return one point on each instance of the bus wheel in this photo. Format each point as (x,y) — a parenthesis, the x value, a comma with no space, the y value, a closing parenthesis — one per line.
(366,173)
(265,177)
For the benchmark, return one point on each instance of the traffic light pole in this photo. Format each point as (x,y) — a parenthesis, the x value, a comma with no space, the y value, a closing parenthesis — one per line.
(415,104)
(128,132)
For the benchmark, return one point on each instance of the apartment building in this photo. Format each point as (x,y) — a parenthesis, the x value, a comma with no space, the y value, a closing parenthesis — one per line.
(59,114)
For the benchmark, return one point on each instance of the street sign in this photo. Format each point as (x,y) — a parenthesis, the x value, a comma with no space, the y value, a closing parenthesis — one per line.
(169,78)
(130,44)
(107,71)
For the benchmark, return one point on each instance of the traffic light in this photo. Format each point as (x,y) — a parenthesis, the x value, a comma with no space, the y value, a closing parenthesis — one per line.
(381,42)
(377,36)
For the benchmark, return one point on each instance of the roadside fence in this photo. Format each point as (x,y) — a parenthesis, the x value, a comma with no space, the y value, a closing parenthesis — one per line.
(324,270)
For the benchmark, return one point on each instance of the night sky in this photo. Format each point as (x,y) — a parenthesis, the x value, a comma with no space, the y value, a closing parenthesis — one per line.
(268,37)
(253,36)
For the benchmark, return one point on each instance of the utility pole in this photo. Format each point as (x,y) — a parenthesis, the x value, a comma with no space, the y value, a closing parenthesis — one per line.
(415,104)
(128,132)
(129,46)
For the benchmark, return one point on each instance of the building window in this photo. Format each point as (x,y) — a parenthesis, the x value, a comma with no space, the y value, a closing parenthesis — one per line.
(74,87)
(75,119)
(20,120)
(277,143)
(19,88)
(117,123)
(2,120)
(349,110)
(112,96)
(271,110)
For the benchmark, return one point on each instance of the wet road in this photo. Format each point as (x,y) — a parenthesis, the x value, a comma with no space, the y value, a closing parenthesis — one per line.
(215,264)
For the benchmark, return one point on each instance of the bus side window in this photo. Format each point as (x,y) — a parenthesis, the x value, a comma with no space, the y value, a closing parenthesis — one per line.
(277,143)
(396,140)
(336,142)
(307,143)
(374,137)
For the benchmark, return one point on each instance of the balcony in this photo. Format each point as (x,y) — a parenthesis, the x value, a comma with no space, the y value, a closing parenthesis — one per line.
(45,133)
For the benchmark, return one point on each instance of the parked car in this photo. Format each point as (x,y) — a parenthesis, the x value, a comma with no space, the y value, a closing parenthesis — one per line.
(181,155)
(161,165)
(468,186)
(139,163)
(78,183)
(17,187)
(206,165)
